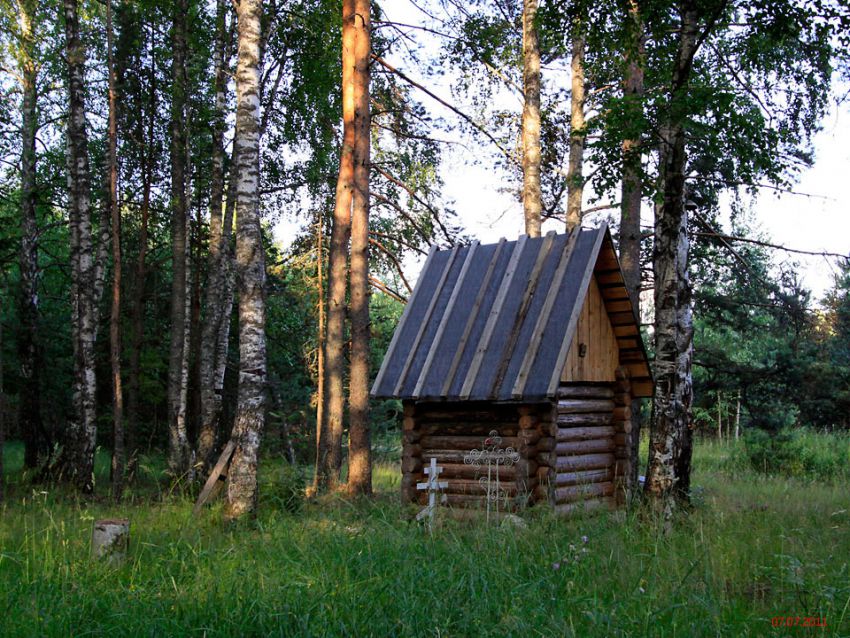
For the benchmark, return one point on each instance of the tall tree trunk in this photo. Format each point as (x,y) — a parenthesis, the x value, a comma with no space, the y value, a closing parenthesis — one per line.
(630,233)
(531,193)
(320,339)
(137,314)
(330,432)
(178,441)
(669,445)
(2,418)
(77,464)
(250,260)
(29,349)
(220,233)
(360,439)
(115,315)
(575,179)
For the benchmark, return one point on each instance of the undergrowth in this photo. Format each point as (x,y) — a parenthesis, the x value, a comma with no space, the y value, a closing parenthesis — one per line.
(753,547)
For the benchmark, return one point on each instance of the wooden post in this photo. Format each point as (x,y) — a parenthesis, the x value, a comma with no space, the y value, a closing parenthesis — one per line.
(110,539)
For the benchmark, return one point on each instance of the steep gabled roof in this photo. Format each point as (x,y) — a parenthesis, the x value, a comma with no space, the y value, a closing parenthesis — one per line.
(495,322)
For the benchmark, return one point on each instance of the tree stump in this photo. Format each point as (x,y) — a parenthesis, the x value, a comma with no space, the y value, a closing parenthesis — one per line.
(110,539)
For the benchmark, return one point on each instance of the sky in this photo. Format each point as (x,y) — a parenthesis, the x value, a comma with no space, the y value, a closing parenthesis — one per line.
(817,222)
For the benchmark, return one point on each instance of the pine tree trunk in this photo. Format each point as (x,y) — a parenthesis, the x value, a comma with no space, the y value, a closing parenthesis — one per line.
(669,446)
(2,420)
(219,244)
(115,315)
(360,439)
(320,338)
(137,313)
(178,442)
(250,262)
(329,462)
(29,350)
(575,179)
(531,193)
(77,463)
(630,233)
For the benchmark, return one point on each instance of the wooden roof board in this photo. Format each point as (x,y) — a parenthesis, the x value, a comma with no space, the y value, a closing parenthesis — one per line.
(462,335)
(525,330)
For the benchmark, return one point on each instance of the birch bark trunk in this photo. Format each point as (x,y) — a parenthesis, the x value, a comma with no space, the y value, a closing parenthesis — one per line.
(220,235)
(360,439)
(329,459)
(77,463)
(241,487)
(630,233)
(29,349)
(669,445)
(115,311)
(575,179)
(531,193)
(178,441)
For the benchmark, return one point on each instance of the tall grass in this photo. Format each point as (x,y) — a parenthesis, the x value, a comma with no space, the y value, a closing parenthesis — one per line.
(752,548)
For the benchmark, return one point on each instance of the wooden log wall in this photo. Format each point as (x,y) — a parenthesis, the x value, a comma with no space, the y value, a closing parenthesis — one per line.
(448,431)
(622,433)
(582,464)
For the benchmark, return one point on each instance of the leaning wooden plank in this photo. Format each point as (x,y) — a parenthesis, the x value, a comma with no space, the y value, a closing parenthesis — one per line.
(543,319)
(470,255)
(473,313)
(584,462)
(587,476)
(585,392)
(426,319)
(519,318)
(575,493)
(404,316)
(584,433)
(493,319)
(213,480)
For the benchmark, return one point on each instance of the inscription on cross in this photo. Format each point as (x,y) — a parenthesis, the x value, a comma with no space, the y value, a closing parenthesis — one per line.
(433,485)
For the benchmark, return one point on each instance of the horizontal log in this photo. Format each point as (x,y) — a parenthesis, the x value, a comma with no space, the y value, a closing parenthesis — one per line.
(622,452)
(583,434)
(623,426)
(572,406)
(411,449)
(622,412)
(546,444)
(467,416)
(461,470)
(548,459)
(584,462)
(472,501)
(468,429)
(528,437)
(528,421)
(622,467)
(581,478)
(586,507)
(409,408)
(585,392)
(473,486)
(622,386)
(411,464)
(623,398)
(588,446)
(408,488)
(408,424)
(411,437)
(461,442)
(573,493)
(622,438)
(592,418)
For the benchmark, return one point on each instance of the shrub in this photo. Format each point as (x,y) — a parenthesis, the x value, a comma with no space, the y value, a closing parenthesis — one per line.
(798,453)
(285,489)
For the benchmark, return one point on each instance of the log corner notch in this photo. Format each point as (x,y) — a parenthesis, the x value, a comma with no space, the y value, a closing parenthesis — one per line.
(623,435)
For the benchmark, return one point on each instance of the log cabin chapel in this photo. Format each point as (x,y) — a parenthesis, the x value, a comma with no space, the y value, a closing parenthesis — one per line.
(535,339)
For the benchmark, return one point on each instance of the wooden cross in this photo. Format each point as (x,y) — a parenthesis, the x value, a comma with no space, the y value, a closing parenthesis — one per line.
(433,486)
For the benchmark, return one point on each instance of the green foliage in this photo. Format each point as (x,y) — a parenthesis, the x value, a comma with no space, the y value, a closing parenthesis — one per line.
(282,488)
(799,454)
(754,548)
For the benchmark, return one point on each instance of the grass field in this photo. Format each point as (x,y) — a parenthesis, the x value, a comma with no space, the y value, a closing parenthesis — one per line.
(753,548)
